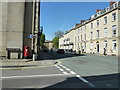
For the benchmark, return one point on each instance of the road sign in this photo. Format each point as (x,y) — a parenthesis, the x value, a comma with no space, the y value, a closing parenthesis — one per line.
(33,36)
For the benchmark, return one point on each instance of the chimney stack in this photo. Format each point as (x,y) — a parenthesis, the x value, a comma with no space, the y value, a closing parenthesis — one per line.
(112,2)
(77,24)
(67,31)
(98,10)
(82,21)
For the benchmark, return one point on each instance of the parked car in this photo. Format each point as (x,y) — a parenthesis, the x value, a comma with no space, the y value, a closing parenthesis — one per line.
(60,51)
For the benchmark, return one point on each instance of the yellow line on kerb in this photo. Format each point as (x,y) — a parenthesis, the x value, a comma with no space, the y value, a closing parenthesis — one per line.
(33,66)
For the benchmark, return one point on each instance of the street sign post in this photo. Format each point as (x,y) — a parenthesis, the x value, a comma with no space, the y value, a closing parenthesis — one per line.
(33,36)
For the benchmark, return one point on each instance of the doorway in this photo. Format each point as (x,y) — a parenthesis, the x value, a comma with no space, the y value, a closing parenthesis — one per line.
(98,47)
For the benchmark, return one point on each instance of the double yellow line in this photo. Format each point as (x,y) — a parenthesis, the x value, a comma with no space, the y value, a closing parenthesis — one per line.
(18,68)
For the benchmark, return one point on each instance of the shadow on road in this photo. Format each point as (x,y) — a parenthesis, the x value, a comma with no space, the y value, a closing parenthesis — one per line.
(53,56)
(101,82)
(70,82)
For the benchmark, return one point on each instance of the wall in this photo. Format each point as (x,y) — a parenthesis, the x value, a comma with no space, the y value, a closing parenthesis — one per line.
(28,25)
(12,26)
(119,32)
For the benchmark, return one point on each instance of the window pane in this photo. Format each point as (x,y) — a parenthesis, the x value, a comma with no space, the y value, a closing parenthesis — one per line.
(105,32)
(114,44)
(105,20)
(113,16)
(114,30)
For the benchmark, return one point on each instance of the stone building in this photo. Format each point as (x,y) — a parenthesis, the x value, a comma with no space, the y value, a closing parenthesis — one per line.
(48,44)
(67,40)
(98,35)
(18,21)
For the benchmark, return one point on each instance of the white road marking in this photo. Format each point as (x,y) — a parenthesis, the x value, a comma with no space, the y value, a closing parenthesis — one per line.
(67,69)
(60,64)
(85,81)
(58,67)
(65,73)
(61,69)
(72,72)
(28,76)
(64,67)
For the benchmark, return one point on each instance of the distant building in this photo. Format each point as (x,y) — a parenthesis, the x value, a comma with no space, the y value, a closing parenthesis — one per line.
(19,20)
(97,35)
(48,44)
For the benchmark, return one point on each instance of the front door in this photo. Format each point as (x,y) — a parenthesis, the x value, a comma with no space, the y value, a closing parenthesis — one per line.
(98,47)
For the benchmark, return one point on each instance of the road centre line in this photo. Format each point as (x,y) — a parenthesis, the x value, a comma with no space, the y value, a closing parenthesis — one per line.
(85,81)
(28,76)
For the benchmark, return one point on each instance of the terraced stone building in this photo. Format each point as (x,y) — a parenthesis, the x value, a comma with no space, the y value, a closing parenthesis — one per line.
(98,35)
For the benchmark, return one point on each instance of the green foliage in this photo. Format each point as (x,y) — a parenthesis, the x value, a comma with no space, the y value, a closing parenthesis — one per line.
(42,39)
(55,42)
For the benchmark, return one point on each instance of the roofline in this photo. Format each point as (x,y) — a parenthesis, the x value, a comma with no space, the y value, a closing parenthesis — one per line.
(97,17)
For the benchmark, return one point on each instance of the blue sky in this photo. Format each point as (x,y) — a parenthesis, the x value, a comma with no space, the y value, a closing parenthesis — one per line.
(62,16)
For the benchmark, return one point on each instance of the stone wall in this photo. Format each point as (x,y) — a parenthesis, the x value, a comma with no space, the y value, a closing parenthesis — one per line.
(12,26)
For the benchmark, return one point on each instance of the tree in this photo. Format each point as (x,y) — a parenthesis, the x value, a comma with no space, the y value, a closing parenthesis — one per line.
(55,42)
(59,34)
(42,40)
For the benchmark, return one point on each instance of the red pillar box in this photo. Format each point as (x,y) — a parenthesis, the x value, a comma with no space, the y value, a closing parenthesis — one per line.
(26,52)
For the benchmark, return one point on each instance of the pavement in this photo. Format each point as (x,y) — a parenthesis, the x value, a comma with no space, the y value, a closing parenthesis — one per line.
(43,60)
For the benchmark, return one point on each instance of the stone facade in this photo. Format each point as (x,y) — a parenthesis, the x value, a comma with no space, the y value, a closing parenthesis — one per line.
(48,44)
(98,35)
(17,24)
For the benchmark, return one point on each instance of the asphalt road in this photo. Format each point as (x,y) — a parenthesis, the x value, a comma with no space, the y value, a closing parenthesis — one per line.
(46,77)
(75,71)
(101,71)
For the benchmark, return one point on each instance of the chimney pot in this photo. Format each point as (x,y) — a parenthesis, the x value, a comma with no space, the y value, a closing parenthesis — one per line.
(98,10)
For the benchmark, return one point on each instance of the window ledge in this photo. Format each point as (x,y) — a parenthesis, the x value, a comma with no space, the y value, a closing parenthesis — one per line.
(113,20)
